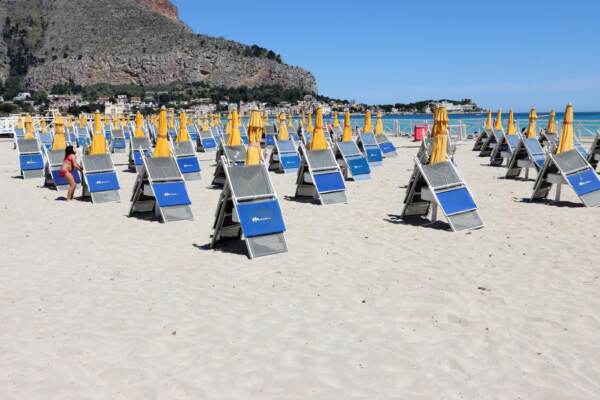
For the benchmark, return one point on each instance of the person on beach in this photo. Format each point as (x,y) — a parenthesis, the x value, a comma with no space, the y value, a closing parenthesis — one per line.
(66,171)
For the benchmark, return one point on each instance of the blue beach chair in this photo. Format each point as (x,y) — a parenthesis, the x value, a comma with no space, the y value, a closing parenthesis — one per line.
(31,159)
(100,180)
(368,145)
(188,162)
(320,178)
(504,148)
(352,162)
(249,210)
(528,153)
(284,157)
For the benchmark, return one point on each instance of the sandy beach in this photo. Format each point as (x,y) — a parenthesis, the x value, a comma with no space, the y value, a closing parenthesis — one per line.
(96,305)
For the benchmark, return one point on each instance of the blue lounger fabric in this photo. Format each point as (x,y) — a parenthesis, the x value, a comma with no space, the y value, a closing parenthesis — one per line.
(456,201)
(171,194)
(261,218)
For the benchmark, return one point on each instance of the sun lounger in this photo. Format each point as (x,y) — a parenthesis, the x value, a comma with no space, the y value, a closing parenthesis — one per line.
(138,149)
(54,161)
(206,141)
(172,133)
(31,159)
(580,148)
(46,140)
(71,136)
(481,138)
(572,169)
(425,150)
(504,149)
(185,154)
(160,190)
(387,147)
(193,132)
(368,145)
(549,140)
(594,154)
(490,142)
(244,135)
(320,177)
(100,180)
(528,153)
(440,185)
(284,157)
(83,137)
(249,210)
(235,155)
(108,133)
(351,161)
(268,139)
(118,143)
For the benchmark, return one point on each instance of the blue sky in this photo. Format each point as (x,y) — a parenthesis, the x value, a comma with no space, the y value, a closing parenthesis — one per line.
(515,54)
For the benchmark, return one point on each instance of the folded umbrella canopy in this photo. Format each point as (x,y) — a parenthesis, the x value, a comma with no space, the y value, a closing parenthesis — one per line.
(510,128)
(309,127)
(551,122)
(567,136)
(488,121)
(139,126)
(304,119)
(378,124)
(368,128)
(106,120)
(318,141)
(183,135)
(290,121)
(498,123)
(69,121)
(171,119)
(283,133)
(43,126)
(440,136)
(205,124)
(28,128)
(98,145)
(265,119)
(531,133)
(229,125)
(20,122)
(336,121)
(82,121)
(60,142)
(347,134)
(162,148)
(116,121)
(255,130)
(235,139)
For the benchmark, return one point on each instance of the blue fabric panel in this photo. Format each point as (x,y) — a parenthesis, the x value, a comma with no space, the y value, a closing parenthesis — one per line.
(581,149)
(30,162)
(539,160)
(262,218)
(60,181)
(387,147)
(290,161)
(455,201)
(330,182)
(171,194)
(137,157)
(373,154)
(172,133)
(270,140)
(102,182)
(19,132)
(209,143)
(584,182)
(513,141)
(188,165)
(118,143)
(358,166)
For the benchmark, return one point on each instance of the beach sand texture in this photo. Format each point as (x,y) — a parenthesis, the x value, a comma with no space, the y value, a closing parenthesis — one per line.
(96,305)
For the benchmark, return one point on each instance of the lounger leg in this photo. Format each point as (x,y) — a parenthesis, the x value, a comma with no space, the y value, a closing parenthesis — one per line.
(558,188)
(527,173)
(434,211)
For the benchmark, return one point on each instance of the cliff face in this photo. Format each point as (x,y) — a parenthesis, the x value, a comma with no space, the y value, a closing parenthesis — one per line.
(86,42)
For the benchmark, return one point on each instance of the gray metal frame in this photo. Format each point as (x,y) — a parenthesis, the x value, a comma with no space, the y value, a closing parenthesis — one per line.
(90,167)
(306,188)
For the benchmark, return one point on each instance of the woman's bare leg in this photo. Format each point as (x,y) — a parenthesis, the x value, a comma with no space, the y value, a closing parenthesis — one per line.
(72,186)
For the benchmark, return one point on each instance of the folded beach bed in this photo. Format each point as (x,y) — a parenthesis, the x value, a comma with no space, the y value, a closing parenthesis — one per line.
(31,159)
(100,180)
(352,162)
(284,157)
(320,178)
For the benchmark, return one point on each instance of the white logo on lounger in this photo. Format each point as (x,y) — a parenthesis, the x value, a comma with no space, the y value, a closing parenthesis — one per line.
(583,183)
(102,182)
(167,194)
(258,219)
(30,162)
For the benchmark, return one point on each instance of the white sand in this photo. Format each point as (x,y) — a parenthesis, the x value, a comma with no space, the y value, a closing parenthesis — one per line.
(95,305)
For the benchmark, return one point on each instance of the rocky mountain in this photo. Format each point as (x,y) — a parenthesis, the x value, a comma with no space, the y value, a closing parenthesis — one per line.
(141,42)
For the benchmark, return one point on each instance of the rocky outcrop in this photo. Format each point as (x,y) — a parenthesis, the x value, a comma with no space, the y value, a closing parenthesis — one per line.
(162,7)
(86,42)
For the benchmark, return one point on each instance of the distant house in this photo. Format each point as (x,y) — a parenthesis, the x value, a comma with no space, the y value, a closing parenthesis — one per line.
(22,96)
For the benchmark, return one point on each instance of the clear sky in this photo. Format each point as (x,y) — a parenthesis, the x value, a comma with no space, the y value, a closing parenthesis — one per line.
(501,54)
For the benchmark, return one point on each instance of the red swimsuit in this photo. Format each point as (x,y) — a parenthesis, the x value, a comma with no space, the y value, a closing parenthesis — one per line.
(70,158)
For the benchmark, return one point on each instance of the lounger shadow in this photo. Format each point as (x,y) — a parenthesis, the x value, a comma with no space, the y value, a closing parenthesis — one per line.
(417,221)
(562,203)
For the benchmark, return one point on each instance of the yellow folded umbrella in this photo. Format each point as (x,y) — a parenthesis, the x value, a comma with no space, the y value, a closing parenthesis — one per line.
(235,139)
(498,123)
(551,122)
(82,120)
(304,119)
(68,121)
(205,124)
(310,128)
(265,118)
(59,142)
(183,135)
(347,134)
(106,120)
(368,128)
(162,148)
(567,136)
(116,120)
(488,121)
(336,121)
(378,124)
(98,145)
(20,122)
(283,133)
(171,121)
(29,133)
(43,125)
(531,132)
(510,128)
(229,126)
(291,121)
(255,130)
(139,126)
(318,141)
(440,136)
